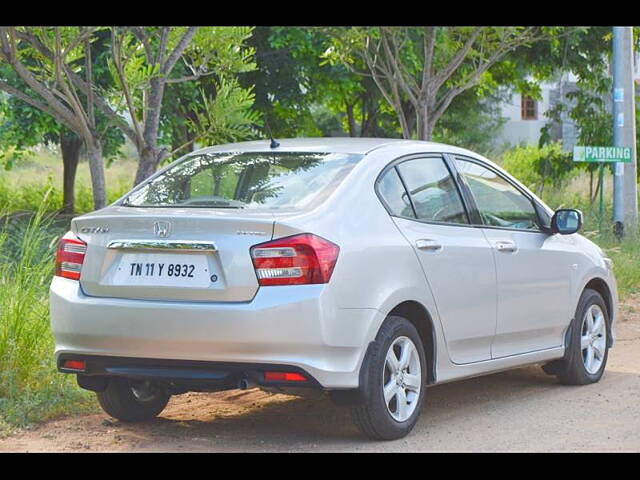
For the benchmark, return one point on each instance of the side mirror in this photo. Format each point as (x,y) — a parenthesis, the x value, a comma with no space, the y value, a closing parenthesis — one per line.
(566,221)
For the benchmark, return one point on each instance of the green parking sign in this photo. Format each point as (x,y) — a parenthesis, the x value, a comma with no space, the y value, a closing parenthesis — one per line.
(601,154)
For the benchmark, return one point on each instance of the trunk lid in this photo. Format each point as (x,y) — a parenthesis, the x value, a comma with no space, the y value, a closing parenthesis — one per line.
(171,253)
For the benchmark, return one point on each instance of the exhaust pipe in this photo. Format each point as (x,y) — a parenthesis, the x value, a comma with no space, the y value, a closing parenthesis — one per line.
(245,384)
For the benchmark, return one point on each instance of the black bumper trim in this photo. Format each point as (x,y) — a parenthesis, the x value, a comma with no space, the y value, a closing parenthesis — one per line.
(218,375)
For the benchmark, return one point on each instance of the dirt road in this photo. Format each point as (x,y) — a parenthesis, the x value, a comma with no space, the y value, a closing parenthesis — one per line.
(520,410)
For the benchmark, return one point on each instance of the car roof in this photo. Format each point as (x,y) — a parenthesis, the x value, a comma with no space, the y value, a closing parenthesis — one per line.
(358,145)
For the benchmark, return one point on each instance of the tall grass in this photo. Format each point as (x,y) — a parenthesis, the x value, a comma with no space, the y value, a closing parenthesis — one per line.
(30,387)
(28,195)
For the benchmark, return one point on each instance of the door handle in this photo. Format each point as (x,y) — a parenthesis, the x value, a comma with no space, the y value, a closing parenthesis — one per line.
(428,244)
(506,246)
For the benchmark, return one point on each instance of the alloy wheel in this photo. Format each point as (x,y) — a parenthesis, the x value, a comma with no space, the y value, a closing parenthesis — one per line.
(402,379)
(593,339)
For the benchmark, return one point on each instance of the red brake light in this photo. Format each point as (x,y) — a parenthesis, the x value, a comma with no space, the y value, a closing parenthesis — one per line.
(69,256)
(284,377)
(74,364)
(296,260)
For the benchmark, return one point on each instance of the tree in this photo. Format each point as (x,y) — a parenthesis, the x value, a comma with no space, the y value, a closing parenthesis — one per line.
(52,63)
(421,70)
(213,109)
(300,93)
(472,121)
(143,63)
(585,52)
(25,126)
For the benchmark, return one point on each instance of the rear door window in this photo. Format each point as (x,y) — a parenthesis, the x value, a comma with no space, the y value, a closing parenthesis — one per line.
(394,194)
(433,191)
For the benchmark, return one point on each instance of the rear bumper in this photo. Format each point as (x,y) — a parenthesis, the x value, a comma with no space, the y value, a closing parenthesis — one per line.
(181,375)
(296,326)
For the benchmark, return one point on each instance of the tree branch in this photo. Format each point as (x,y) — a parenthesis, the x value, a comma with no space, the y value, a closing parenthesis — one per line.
(82,85)
(441,77)
(178,50)
(36,103)
(54,104)
(429,45)
(116,49)
(197,76)
(141,35)
(398,73)
(505,47)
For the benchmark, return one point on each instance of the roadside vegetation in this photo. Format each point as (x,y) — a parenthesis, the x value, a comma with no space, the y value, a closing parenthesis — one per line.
(30,388)
(130,99)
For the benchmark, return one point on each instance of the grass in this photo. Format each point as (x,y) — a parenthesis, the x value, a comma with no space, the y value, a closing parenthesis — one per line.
(30,387)
(23,187)
(31,390)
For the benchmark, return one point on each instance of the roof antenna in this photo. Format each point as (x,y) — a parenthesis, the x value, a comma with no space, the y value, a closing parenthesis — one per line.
(273,144)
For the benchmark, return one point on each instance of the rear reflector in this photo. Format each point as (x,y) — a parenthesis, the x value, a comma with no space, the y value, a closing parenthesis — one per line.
(284,377)
(70,256)
(297,260)
(74,365)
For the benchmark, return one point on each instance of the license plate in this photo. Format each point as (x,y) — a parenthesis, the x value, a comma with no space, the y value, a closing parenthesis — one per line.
(164,270)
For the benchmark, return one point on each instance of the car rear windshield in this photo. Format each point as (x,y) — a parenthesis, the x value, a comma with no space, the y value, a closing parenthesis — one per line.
(284,180)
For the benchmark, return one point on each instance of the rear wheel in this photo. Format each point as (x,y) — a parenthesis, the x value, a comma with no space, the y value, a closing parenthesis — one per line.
(132,400)
(393,382)
(586,356)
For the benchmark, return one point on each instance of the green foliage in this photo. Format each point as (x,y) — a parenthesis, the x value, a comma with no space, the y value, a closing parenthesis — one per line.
(24,126)
(29,197)
(538,166)
(30,387)
(301,93)
(420,82)
(227,117)
(471,121)
(626,267)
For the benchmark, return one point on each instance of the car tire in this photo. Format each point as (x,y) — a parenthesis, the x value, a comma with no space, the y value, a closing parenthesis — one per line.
(133,401)
(374,416)
(588,342)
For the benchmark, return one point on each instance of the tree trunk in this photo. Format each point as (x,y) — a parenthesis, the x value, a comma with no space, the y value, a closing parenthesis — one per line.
(425,122)
(428,130)
(96,167)
(70,146)
(150,155)
(147,164)
(351,119)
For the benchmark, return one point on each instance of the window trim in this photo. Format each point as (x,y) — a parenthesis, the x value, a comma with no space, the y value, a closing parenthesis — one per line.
(527,195)
(415,156)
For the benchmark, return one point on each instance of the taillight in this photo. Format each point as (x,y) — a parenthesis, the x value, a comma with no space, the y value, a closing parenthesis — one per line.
(284,377)
(69,256)
(75,365)
(296,260)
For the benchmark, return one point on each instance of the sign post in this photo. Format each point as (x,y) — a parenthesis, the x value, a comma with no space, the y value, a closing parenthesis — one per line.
(601,155)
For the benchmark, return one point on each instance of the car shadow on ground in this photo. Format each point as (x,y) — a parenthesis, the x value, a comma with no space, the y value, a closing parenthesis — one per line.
(264,418)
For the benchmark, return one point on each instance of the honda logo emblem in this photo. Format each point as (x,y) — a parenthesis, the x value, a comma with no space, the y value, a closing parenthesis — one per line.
(162,229)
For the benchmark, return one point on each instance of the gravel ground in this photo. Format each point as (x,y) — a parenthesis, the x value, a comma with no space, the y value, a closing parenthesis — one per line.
(519,410)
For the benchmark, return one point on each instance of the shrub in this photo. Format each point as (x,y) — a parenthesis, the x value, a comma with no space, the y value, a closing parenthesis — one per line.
(537,167)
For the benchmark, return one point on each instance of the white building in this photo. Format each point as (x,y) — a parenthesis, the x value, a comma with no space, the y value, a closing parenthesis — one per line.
(525,117)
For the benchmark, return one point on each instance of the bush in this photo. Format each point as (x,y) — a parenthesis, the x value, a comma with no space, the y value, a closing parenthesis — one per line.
(537,167)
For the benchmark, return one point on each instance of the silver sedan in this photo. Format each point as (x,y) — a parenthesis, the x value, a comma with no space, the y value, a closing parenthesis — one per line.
(369,268)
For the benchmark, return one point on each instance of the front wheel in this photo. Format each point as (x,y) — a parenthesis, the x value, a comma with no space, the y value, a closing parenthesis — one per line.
(393,382)
(586,356)
(133,401)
